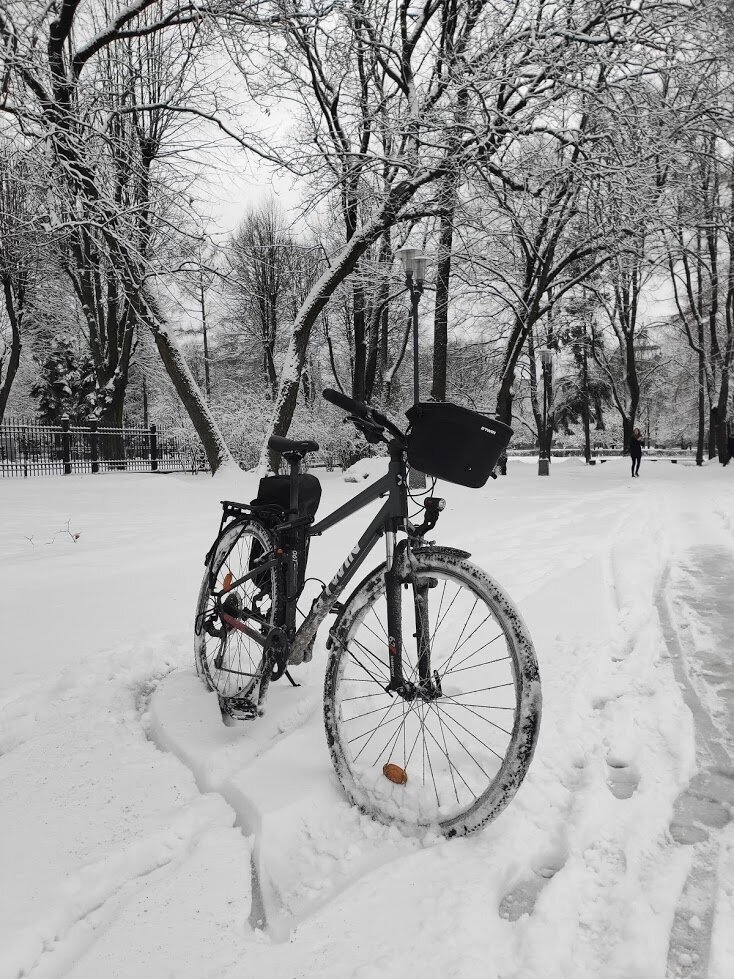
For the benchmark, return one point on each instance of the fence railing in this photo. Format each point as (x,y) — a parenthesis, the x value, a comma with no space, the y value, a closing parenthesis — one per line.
(29,448)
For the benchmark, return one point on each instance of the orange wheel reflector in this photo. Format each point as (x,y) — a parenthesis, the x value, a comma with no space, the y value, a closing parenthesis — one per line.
(228,579)
(395,773)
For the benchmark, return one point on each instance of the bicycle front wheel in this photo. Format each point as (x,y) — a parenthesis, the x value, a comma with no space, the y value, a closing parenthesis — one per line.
(230,661)
(453,758)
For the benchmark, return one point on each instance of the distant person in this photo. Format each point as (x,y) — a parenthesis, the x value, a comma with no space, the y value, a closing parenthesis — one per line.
(500,467)
(636,451)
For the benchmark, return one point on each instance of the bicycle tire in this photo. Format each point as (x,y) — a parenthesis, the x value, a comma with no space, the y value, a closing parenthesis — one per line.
(365,784)
(229,661)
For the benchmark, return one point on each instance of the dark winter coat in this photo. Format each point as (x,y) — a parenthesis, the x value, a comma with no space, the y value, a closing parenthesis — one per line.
(636,447)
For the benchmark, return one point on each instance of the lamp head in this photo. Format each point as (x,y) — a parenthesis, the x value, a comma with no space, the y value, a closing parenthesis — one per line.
(407,256)
(419,268)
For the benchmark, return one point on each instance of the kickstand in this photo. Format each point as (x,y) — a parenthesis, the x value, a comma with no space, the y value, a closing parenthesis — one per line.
(293,682)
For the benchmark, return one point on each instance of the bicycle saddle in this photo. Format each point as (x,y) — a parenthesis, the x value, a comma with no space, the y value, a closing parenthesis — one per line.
(299,447)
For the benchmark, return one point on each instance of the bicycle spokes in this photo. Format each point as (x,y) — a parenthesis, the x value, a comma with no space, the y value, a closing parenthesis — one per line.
(433,746)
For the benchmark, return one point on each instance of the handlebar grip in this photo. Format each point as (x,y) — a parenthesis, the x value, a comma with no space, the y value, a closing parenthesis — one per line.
(343,401)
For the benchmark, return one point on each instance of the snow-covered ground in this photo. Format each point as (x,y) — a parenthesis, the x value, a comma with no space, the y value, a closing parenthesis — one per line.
(141,837)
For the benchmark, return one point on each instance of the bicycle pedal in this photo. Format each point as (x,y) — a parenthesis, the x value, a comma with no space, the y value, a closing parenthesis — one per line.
(240,708)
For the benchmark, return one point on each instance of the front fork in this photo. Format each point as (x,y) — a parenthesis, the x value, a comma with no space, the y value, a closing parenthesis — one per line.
(400,574)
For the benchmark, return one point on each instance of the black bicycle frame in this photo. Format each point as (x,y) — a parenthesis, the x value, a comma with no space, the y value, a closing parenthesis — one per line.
(391,517)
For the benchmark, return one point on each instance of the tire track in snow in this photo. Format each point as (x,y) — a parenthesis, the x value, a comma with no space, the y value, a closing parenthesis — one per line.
(607,900)
(70,927)
(308,843)
(705,805)
(169,727)
(84,893)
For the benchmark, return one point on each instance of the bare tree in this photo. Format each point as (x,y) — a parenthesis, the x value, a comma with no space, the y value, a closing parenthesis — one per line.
(700,259)
(264,270)
(379,87)
(27,260)
(106,90)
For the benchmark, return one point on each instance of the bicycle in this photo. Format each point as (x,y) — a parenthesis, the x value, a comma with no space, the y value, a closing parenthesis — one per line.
(431,728)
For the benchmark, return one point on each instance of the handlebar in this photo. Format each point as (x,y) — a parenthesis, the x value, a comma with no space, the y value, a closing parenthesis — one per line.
(343,401)
(360,410)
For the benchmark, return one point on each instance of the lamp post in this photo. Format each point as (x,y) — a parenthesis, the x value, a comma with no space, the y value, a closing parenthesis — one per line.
(543,461)
(647,357)
(414,265)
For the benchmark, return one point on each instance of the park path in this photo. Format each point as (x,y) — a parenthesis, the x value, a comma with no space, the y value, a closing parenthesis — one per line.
(696,608)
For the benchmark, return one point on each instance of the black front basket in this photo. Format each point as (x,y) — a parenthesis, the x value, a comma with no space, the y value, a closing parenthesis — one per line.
(454,443)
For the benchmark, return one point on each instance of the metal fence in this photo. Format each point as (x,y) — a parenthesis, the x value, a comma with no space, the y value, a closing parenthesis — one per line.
(29,448)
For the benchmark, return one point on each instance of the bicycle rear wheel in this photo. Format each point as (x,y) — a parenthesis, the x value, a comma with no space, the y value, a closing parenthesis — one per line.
(230,661)
(458,757)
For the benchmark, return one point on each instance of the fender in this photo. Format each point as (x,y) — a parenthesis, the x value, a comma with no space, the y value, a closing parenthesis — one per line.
(224,527)
(449,551)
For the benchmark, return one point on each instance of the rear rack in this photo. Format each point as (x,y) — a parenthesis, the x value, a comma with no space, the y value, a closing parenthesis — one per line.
(232,511)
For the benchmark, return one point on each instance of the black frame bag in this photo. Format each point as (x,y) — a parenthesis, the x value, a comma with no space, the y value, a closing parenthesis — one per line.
(455,443)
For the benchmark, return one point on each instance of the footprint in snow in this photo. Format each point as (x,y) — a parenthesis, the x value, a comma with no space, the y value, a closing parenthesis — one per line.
(623,777)
(704,804)
(521,899)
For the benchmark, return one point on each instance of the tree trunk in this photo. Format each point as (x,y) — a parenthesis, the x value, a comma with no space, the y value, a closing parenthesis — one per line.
(359,380)
(392,369)
(585,411)
(701,407)
(186,387)
(441,314)
(145,402)
(378,325)
(721,417)
(202,302)
(15,347)
(633,386)
(112,444)
(505,397)
(712,432)
(270,371)
(534,403)
(599,414)
(626,433)
(315,302)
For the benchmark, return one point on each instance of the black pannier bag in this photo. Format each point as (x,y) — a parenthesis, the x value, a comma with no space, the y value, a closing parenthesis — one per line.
(276,490)
(455,443)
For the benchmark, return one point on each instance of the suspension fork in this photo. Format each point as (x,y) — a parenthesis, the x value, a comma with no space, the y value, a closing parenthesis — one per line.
(422,629)
(394,611)
(399,573)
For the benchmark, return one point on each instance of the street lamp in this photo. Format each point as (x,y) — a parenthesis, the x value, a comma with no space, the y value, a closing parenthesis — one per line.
(546,365)
(414,265)
(646,356)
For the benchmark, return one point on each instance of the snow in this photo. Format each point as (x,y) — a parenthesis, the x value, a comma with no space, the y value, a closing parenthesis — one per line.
(141,836)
